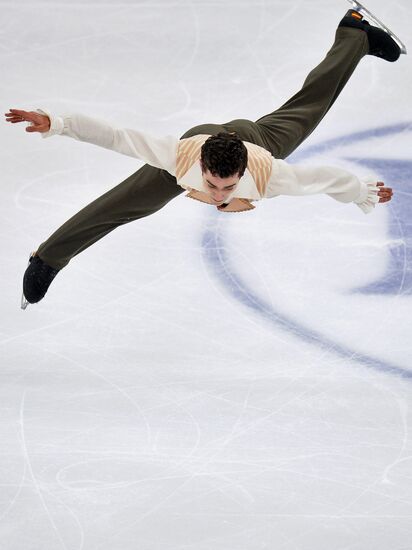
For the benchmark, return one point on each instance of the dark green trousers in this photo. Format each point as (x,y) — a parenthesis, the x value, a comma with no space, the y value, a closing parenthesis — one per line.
(280,132)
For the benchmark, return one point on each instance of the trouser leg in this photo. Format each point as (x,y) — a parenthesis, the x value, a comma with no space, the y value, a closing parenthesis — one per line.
(141,194)
(285,129)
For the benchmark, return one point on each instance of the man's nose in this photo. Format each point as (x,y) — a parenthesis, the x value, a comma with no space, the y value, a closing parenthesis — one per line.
(219,196)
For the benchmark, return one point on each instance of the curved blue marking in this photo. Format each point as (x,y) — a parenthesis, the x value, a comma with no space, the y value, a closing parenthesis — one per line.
(350,139)
(214,252)
(397,173)
(398,276)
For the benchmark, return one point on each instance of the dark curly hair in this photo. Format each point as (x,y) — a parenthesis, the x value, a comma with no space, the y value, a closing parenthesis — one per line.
(224,155)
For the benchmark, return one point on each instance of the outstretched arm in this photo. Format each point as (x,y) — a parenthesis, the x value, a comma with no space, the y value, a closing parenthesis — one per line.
(339,184)
(158,152)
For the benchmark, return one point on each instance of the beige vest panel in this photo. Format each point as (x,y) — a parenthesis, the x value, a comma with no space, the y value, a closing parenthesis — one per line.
(188,152)
(259,164)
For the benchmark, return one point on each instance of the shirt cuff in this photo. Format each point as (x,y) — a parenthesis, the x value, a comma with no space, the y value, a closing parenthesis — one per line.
(56,124)
(368,197)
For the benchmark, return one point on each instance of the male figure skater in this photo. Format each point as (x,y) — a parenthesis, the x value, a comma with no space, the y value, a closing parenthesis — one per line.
(228,165)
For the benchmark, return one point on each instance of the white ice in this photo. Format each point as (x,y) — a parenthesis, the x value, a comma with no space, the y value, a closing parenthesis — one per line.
(200,380)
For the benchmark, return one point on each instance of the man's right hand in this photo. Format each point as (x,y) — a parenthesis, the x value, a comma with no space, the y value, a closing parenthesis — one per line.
(39,123)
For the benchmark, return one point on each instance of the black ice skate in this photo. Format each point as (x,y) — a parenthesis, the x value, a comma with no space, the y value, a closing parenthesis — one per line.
(383,42)
(36,280)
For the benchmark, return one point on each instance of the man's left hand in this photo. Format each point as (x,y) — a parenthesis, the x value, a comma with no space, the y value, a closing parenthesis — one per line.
(385,193)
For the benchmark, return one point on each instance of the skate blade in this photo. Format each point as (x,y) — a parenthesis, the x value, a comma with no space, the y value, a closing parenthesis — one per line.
(24,303)
(372,18)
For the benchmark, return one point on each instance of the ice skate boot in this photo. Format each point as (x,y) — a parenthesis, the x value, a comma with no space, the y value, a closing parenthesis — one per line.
(37,279)
(383,42)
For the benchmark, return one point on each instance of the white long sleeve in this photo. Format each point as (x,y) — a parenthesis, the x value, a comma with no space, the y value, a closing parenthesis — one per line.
(158,152)
(161,153)
(339,184)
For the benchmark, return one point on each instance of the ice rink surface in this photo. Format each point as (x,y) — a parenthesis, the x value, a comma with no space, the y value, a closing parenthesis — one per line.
(201,380)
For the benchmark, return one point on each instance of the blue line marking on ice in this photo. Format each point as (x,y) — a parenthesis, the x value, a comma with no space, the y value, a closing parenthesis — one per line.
(398,276)
(350,139)
(396,173)
(214,251)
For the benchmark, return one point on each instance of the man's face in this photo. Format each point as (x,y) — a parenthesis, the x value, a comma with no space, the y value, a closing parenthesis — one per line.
(217,188)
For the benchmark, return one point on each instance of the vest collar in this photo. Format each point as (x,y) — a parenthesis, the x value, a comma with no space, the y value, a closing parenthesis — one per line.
(245,189)
(235,204)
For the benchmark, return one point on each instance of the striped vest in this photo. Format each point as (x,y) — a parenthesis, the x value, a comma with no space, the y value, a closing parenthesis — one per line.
(259,165)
